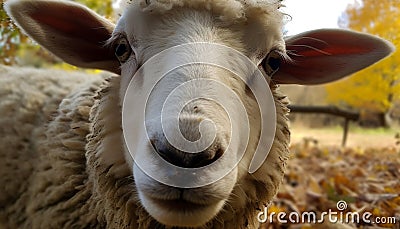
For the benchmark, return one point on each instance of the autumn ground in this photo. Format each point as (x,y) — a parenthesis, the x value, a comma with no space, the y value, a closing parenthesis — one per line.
(365,174)
(357,137)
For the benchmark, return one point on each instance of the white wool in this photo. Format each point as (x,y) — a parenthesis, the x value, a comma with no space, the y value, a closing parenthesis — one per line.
(227,10)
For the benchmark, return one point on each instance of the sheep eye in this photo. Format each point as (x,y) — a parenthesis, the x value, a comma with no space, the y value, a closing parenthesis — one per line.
(272,62)
(123,50)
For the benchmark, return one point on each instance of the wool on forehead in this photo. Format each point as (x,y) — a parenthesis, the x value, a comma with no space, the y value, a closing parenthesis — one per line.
(227,10)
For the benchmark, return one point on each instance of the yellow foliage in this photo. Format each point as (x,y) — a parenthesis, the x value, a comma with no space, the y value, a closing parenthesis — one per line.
(275,209)
(102,7)
(68,67)
(377,87)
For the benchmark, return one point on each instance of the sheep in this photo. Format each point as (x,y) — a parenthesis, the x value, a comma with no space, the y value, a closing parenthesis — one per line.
(66,160)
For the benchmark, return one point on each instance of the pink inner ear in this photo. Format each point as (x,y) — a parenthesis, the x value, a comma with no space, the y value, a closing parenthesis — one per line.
(72,32)
(323,56)
(329,42)
(72,22)
(315,50)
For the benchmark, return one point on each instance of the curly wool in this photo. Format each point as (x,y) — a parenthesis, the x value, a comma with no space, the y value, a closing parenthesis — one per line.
(227,10)
(44,124)
(64,160)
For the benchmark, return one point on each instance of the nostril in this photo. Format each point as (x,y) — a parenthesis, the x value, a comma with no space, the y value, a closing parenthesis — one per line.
(207,158)
(187,160)
(167,152)
(162,151)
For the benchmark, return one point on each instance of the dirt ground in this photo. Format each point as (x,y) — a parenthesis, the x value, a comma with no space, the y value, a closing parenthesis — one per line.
(364,175)
(333,137)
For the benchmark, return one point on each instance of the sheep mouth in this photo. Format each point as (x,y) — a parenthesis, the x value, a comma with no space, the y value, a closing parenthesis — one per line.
(179,205)
(180,212)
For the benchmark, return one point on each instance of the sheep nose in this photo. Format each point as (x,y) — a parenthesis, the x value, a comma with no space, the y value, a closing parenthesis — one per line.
(187,159)
(193,129)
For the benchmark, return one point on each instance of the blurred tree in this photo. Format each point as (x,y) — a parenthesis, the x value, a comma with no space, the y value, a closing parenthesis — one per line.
(10,39)
(102,7)
(14,44)
(376,88)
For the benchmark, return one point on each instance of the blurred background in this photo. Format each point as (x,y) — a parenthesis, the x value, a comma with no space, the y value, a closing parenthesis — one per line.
(373,94)
(345,135)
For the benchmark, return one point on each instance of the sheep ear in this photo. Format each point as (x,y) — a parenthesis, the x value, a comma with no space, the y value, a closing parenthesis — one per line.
(69,30)
(326,55)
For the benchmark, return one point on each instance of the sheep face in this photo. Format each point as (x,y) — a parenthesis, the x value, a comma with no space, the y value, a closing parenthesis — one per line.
(199,116)
(195,91)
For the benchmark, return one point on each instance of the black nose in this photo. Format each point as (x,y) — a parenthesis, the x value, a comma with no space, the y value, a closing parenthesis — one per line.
(187,159)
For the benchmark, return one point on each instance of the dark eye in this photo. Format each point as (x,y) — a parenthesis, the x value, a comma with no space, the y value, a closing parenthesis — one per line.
(123,50)
(272,62)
